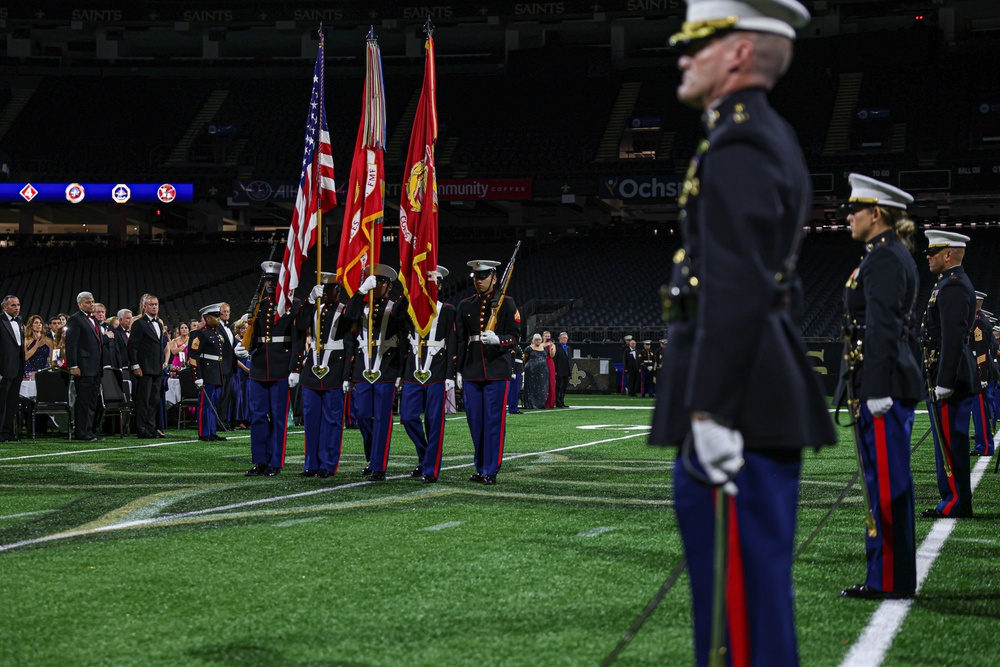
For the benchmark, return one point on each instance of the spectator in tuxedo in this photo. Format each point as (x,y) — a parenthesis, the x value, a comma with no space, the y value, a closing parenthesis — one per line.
(55,325)
(147,361)
(229,363)
(110,349)
(11,364)
(84,354)
(630,363)
(562,369)
(121,332)
(36,346)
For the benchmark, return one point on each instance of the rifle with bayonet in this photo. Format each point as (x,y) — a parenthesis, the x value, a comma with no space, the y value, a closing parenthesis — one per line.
(255,303)
(502,292)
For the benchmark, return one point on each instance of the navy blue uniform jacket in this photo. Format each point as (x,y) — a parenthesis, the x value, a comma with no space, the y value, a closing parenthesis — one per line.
(948,321)
(745,197)
(879,299)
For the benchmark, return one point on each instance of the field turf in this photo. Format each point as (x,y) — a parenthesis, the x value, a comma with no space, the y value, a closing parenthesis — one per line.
(130,553)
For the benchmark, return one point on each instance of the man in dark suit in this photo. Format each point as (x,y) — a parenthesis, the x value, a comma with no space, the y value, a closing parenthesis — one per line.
(630,364)
(228,363)
(562,369)
(742,408)
(84,354)
(11,365)
(146,359)
(121,336)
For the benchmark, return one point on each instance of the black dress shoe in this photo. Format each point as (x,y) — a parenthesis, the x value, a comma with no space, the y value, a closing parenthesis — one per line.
(217,438)
(309,473)
(377,476)
(932,513)
(323,474)
(159,435)
(476,478)
(862,592)
(203,438)
(429,479)
(489,480)
(272,472)
(416,472)
(257,470)
(366,471)
(92,438)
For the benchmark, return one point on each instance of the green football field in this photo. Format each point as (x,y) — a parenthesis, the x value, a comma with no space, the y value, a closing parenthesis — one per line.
(130,553)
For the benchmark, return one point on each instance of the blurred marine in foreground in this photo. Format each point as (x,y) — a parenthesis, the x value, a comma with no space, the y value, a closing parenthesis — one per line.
(741,410)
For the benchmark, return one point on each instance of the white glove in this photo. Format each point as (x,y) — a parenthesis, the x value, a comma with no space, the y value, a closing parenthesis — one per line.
(941,393)
(996,440)
(458,381)
(513,376)
(489,338)
(399,383)
(450,384)
(983,384)
(316,293)
(368,285)
(199,383)
(348,385)
(719,450)
(293,380)
(879,406)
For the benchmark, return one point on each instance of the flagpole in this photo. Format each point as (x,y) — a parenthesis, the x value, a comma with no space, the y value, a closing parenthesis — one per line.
(317,339)
(371,241)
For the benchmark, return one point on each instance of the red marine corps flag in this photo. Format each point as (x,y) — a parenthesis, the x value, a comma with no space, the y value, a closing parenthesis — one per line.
(317,192)
(361,238)
(418,206)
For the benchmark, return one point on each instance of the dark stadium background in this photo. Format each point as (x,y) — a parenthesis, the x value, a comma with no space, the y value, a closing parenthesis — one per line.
(573,99)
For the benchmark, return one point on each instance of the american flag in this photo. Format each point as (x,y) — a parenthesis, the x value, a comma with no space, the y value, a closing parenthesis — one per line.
(317,191)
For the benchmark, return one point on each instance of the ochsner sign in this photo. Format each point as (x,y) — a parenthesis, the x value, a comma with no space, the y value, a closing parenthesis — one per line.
(640,187)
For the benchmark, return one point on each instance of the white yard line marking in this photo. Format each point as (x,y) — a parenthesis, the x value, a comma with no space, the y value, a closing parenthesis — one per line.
(250,503)
(594,532)
(295,522)
(444,526)
(876,639)
(23,514)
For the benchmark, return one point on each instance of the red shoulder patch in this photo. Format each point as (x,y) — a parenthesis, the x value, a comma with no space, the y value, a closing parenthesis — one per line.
(517,315)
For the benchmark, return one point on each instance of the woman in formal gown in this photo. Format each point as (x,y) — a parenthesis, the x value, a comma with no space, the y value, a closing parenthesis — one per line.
(536,375)
(550,362)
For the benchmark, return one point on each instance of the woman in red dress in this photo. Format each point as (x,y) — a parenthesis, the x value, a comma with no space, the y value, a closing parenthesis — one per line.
(550,361)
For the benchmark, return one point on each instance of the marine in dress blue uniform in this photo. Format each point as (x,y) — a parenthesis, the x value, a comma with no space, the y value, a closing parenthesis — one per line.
(428,375)
(210,358)
(950,367)
(878,300)
(746,405)
(322,371)
(271,362)
(485,367)
(374,375)
(982,338)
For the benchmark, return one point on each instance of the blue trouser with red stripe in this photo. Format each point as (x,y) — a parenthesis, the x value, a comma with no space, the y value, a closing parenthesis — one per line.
(994,394)
(981,424)
(760,610)
(486,412)
(268,421)
(427,434)
(373,407)
(514,395)
(207,423)
(956,491)
(323,415)
(885,451)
